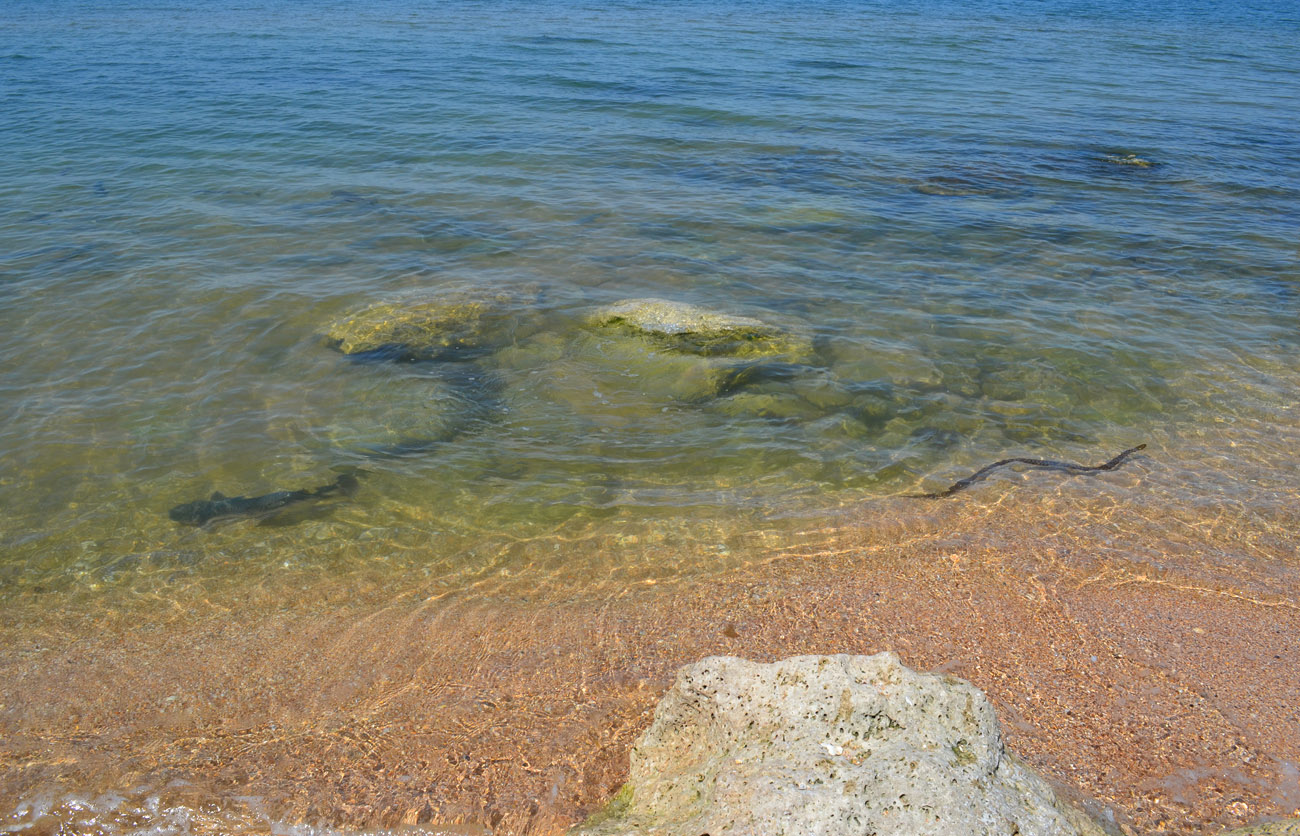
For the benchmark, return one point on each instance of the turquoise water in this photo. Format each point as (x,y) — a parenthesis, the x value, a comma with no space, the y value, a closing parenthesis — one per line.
(1003,228)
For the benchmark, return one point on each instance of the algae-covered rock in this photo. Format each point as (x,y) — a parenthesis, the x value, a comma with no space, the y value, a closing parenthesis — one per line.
(1129,159)
(828,745)
(396,412)
(656,350)
(430,325)
(691,329)
(867,359)
(657,374)
(777,406)
(390,409)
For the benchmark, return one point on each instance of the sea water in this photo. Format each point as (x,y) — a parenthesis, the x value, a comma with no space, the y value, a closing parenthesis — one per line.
(1002,228)
(1007,229)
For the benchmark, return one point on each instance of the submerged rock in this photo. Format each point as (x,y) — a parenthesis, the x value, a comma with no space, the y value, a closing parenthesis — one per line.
(647,351)
(428,326)
(652,375)
(1128,159)
(967,185)
(386,411)
(828,745)
(778,406)
(691,329)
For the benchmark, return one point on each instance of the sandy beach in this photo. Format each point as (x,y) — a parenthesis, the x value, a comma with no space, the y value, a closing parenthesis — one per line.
(1163,693)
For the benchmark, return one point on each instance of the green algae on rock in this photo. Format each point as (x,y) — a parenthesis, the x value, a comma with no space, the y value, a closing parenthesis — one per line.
(1129,159)
(430,325)
(653,350)
(655,374)
(614,378)
(777,406)
(393,412)
(691,329)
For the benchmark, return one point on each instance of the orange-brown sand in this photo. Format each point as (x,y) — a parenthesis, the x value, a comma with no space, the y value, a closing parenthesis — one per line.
(1145,658)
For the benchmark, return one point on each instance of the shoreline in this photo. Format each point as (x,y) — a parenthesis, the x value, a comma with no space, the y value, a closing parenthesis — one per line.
(641,328)
(1167,694)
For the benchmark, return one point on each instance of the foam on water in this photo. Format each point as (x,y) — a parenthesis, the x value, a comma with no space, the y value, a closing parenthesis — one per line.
(178,811)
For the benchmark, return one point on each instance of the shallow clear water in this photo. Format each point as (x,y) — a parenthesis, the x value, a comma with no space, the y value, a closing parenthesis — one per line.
(992,228)
(939,199)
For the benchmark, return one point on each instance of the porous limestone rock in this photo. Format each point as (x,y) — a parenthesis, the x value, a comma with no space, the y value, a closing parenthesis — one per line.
(823,745)
(692,329)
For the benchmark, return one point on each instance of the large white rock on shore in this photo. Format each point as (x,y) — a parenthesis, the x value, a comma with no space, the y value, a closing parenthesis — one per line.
(823,745)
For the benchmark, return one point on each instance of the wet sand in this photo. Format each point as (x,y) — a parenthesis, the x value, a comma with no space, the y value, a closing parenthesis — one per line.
(1143,654)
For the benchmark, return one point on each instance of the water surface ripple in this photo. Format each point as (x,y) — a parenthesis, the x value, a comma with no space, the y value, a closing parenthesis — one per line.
(950,202)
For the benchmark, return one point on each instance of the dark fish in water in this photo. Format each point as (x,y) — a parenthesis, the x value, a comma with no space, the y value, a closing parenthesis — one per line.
(202,511)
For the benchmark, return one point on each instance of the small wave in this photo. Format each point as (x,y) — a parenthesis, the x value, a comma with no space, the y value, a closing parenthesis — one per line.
(178,811)
(827,65)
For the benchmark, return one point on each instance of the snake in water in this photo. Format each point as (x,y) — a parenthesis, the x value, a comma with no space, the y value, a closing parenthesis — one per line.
(1049,464)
